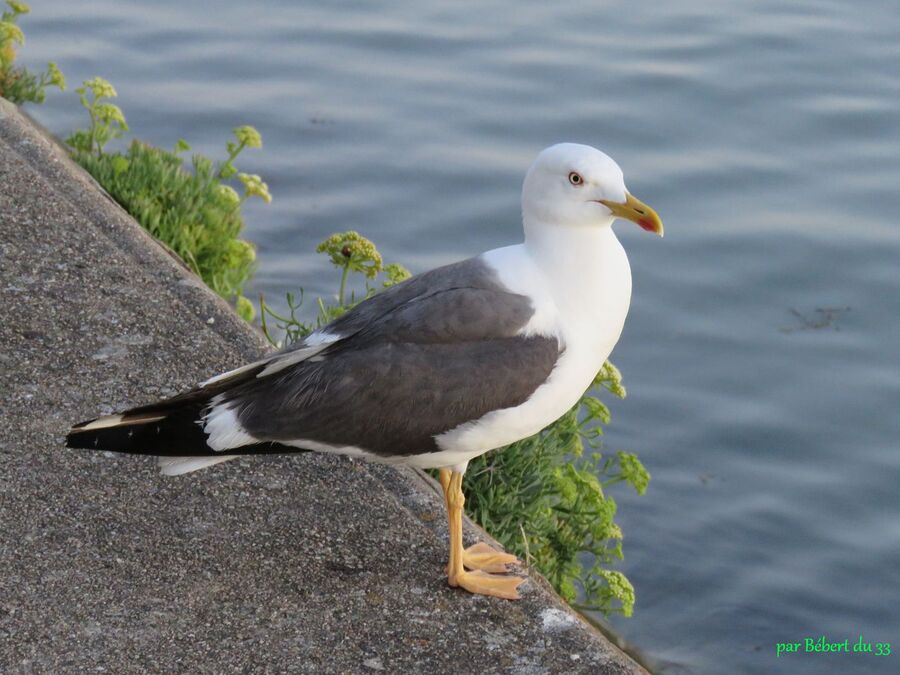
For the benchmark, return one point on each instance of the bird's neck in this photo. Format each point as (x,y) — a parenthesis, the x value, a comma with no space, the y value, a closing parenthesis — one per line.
(574,252)
(586,268)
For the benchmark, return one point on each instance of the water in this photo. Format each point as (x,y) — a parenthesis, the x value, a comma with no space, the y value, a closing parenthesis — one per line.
(765,133)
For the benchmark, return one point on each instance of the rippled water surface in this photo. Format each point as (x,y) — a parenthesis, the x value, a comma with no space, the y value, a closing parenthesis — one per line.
(766,133)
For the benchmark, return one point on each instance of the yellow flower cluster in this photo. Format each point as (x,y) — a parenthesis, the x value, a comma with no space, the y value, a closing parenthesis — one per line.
(18,7)
(610,378)
(240,251)
(10,32)
(248,136)
(395,273)
(351,249)
(230,195)
(109,113)
(255,187)
(100,88)
(56,77)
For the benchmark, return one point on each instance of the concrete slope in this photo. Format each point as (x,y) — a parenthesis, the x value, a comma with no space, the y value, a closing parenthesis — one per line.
(281,564)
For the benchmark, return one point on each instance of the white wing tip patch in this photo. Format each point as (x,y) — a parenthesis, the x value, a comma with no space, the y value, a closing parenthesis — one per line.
(176,466)
(224,430)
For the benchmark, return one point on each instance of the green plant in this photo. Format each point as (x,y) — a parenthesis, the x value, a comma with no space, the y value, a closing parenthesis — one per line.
(18,84)
(195,212)
(540,497)
(548,503)
(349,252)
(107,119)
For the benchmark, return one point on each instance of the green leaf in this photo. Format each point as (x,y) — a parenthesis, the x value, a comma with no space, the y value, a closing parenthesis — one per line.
(120,164)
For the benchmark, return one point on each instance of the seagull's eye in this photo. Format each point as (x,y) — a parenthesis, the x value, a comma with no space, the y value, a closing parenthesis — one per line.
(575,178)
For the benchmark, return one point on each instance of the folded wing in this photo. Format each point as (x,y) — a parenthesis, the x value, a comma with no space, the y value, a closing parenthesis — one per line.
(419,359)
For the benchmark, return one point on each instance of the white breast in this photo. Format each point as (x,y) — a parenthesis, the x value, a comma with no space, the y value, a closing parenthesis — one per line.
(584,306)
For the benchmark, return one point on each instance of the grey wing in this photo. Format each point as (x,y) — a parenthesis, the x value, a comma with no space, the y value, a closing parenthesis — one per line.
(411,364)
(409,302)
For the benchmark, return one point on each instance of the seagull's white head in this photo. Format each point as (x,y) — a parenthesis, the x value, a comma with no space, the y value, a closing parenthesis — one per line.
(577,185)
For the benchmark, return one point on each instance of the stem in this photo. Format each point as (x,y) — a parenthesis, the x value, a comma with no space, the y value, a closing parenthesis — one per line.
(262,319)
(232,156)
(344,275)
(237,151)
(93,127)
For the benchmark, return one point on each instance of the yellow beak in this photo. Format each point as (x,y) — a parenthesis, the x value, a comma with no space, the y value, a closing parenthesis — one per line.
(636,211)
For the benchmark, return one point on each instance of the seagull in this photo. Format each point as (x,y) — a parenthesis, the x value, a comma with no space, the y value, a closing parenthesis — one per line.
(434,371)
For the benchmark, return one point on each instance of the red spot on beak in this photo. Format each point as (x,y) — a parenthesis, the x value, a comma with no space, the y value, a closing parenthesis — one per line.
(646,224)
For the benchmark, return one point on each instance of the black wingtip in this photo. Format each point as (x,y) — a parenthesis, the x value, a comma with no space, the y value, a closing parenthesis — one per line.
(82,440)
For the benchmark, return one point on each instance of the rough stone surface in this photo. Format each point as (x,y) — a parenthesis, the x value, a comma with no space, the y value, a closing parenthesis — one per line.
(280,564)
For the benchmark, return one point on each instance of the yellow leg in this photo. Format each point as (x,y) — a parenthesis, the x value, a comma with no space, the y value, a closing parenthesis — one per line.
(479,556)
(478,581)
(445,476)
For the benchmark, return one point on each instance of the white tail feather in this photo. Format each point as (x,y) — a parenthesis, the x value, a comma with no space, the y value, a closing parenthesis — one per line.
(175,466)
